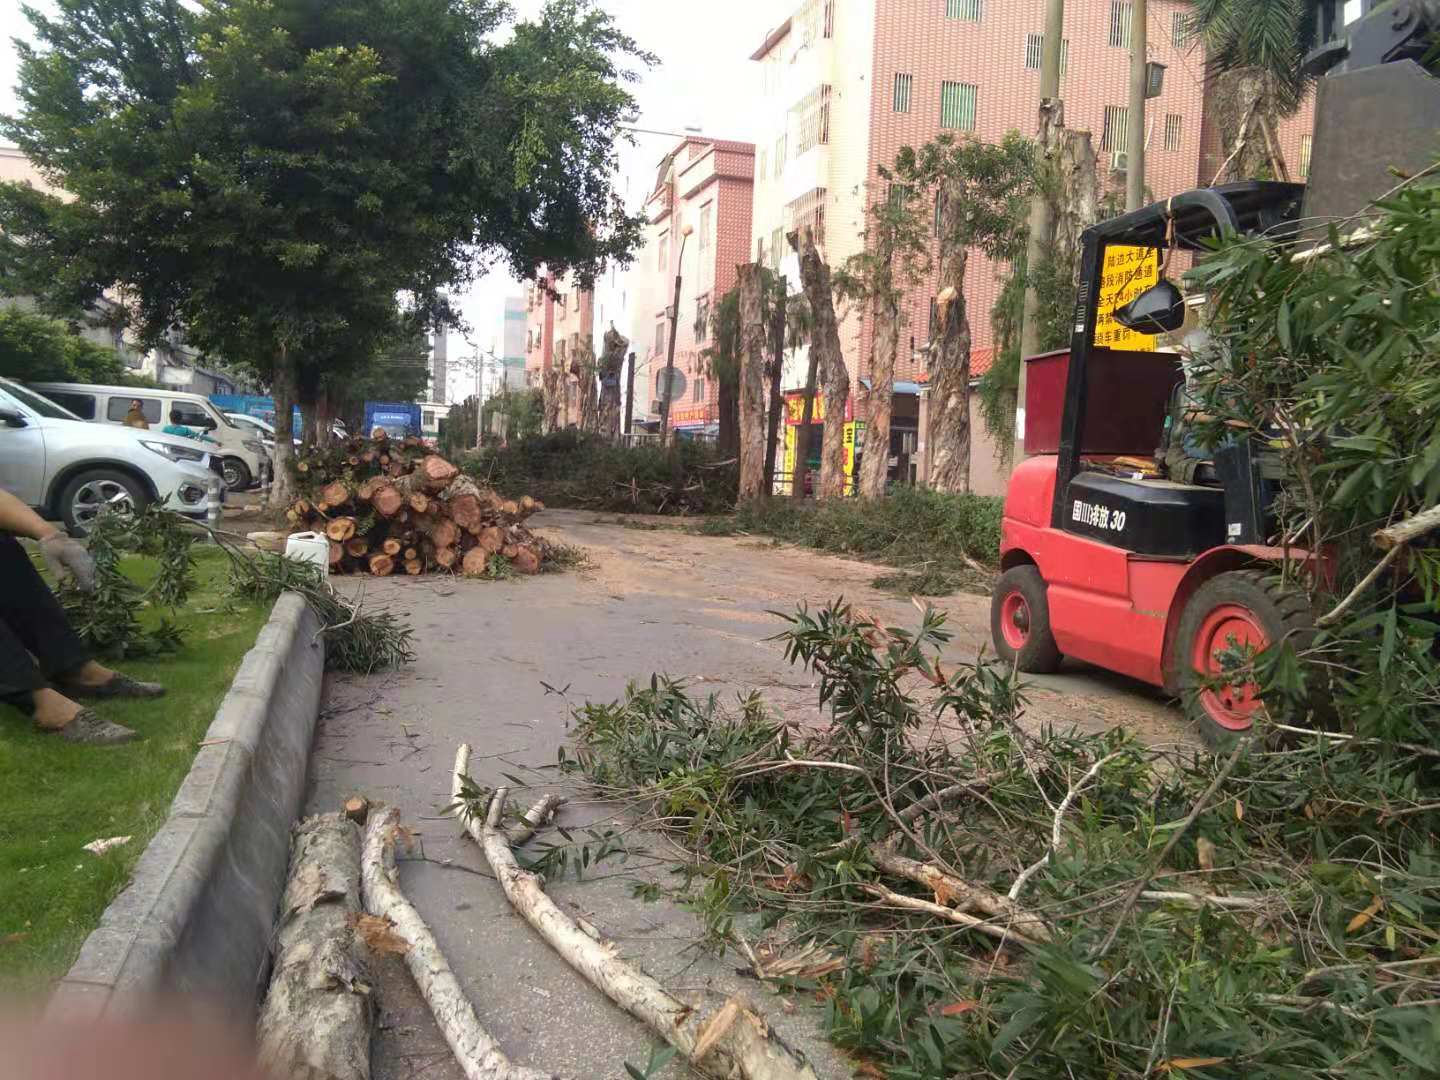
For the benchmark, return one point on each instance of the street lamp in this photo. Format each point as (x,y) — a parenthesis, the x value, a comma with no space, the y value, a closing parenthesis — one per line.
(670,351)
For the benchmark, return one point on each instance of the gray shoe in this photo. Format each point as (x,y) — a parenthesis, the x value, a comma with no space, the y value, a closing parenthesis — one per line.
(119,686)
(90,729)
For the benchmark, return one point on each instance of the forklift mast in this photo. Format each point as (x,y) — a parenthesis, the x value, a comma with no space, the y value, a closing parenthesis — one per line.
(1377,110)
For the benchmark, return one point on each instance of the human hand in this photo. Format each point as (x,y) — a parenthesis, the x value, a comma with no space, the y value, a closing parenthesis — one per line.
(66,556)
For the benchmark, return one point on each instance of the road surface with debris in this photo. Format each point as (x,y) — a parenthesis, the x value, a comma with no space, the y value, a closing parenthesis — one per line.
(651,601)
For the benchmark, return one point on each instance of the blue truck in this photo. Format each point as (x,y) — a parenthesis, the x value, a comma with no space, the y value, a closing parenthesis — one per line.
(398,418)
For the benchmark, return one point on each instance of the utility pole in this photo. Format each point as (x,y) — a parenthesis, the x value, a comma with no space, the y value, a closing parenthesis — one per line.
(1042,224)
(777,339)
(668,385)
(1135,128)
(630,394)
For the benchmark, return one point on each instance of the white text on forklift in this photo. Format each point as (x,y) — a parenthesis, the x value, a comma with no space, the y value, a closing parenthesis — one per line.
(1101,517)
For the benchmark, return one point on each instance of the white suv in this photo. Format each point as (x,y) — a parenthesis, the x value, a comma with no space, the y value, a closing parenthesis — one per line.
(69,470)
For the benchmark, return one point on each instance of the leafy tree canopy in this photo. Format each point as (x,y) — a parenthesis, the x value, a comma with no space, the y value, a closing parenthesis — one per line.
(33,347)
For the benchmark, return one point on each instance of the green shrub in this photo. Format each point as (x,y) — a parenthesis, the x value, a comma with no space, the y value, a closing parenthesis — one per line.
(568,469)
(915,528)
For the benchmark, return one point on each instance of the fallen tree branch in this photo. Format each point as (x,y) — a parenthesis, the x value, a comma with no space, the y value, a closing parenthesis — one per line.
(1402,532)
(1194,899)
(318,1013)
(1070,796)
(993,929)
(734,1042)
(1195,811)
(964,894)
(479,1056)
(518,834)
(1333,615)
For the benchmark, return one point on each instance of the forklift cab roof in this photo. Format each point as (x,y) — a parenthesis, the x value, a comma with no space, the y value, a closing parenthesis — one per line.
(1255,206)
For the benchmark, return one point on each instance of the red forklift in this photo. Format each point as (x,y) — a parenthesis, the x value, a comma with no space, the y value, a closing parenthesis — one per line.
(1111,555)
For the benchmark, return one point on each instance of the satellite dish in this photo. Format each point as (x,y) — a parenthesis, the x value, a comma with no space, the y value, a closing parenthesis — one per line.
(677,385)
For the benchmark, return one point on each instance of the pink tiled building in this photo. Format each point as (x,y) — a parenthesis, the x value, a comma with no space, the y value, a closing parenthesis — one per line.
(698,224)
(847,83)
(557,313)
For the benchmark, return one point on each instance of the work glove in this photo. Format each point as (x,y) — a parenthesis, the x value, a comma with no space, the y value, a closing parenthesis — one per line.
(67,557)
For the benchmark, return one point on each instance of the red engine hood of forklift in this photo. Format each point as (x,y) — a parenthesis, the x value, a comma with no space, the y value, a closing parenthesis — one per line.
(1031,492)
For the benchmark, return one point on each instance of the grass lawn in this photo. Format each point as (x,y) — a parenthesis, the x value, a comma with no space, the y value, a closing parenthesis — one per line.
(57,796)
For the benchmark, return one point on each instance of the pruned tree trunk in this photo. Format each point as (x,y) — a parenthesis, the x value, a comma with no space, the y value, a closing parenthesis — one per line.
(1077,205)
(731,1042)
(774,371)
(612,359)
(318,1014)
(875,458)
(552,388)
(752,382)
(802,433)
(727,416)
(825,341)
(582,366)
(949,434)
(479,1056)
(284,387)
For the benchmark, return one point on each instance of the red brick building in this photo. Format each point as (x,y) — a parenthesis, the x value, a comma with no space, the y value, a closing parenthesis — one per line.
(558,315)
(698,225)
(849,82)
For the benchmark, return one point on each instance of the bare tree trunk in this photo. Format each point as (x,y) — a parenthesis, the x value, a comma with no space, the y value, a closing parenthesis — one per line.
(776,368)
(284,387)
(949,434)
(1078,201)
(727,409)
(752,383)
(802,433)
(582,366)
(552,386)
(875,458)
(611,361)
(825,340)
(317,1016)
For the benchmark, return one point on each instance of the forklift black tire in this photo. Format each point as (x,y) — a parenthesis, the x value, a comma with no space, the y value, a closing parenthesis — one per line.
(1248,606)
(1020,622)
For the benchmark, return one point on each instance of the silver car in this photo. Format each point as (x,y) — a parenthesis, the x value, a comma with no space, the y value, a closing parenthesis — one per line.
(70,470)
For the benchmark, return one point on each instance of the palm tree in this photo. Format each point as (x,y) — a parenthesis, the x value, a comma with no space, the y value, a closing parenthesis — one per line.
(1256,49)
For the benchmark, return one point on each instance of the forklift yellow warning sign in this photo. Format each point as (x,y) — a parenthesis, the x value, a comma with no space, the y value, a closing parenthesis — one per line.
(1127,272)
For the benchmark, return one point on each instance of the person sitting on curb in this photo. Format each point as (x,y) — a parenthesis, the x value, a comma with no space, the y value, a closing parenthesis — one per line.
(38,647)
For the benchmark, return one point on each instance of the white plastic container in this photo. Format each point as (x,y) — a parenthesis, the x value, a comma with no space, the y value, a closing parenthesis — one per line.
(310,547)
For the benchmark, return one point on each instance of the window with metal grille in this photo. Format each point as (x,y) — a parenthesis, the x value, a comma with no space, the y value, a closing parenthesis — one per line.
(660,337)
(968,10)
(957,106)
(808,209)
(1035,52)
(706,216)
(811,120)
(699,397)
(1173,127)
(900,100)
(1116,131)
(1305,143)
(760,250)
(815,19)
(779,156)
(1181,30)
(1120,14)
(664,250)
(702,318)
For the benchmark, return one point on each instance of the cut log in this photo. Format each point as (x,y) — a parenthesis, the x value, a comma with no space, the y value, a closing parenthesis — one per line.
(420,502)
(491,539)
(475,562)
(340,529)
(733,1041)
(411,553)
(386,500)
(336,493)
(414,567)
(445,533)
(356,547)
(510,550)
(396,469)
(318,1015)
(337,552)
(530,506)
(357,808)
(367,488)
(466,512)
(438,472)
(382,565)
(510,508)
(391,546)
(479,1056)
(445,557)
(526,560)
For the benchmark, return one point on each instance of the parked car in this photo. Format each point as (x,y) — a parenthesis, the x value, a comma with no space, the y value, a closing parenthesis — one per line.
(242,455)
(266,429)
(70,470)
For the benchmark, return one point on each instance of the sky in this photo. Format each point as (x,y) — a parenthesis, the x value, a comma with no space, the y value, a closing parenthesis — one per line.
(704,78)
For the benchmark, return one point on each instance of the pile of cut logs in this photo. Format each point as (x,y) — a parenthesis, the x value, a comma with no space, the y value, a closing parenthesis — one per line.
(391,506)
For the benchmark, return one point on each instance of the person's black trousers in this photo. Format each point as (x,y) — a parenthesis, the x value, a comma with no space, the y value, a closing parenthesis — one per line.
(36,642)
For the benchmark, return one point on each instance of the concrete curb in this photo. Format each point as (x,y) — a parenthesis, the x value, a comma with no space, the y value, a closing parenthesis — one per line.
(197,916)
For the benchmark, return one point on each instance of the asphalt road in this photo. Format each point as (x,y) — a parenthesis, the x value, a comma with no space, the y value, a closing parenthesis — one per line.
(652,601)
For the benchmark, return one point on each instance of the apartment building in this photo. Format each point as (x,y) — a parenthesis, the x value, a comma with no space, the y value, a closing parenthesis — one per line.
(512,342)
(847,83)
(697,224)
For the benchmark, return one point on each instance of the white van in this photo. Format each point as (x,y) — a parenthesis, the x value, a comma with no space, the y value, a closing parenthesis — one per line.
(242,454)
